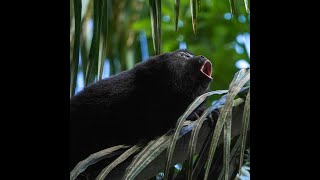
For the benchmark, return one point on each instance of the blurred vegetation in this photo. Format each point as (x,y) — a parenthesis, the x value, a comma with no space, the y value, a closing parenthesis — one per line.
(125,22)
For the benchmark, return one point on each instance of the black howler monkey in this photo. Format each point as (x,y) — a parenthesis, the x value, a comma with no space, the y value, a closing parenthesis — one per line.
(141,103)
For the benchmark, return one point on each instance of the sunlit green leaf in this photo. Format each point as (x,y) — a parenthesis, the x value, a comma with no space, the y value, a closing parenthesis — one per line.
(195,133)
(244,128)
(179,125)
(226,144)
(149,153)
(76,46)
(155,16)
(92,159)
(235,148)
(94,50)
(247,6)
(103,37)
(196,130)
(193,7)
(238,82)
(103,174)
(232,7)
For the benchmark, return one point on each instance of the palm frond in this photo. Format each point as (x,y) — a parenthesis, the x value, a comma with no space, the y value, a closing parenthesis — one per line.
(75,60)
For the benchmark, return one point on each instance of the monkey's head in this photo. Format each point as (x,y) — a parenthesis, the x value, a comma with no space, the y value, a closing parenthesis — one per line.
(180,72)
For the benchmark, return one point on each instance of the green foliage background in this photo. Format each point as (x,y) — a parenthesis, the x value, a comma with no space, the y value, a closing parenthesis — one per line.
(215,36)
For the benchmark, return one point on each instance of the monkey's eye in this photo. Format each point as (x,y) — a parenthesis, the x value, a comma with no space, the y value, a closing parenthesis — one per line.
(185,55)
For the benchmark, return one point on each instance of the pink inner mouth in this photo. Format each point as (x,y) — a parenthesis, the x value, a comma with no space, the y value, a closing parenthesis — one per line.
(206,69)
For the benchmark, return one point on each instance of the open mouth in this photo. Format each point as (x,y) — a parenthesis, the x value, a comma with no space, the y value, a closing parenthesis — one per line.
(206,69)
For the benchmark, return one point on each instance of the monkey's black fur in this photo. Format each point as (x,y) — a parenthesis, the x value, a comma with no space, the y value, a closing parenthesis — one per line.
(141,103)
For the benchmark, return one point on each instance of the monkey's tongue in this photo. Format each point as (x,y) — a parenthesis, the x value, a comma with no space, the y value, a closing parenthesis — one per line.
(206,69)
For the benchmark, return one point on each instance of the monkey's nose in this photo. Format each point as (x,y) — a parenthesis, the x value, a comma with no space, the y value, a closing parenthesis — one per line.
(202,57)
